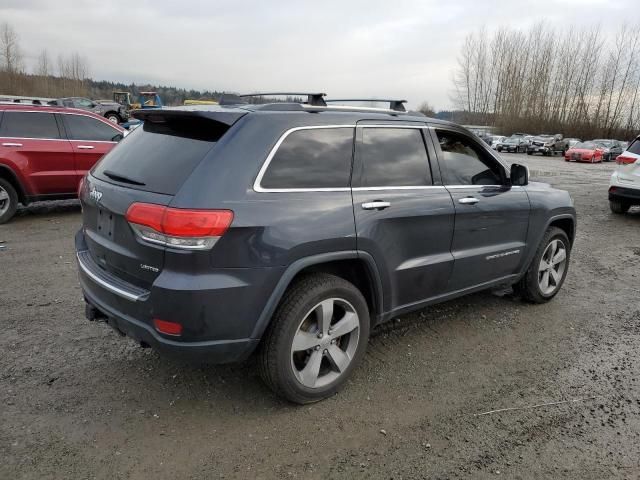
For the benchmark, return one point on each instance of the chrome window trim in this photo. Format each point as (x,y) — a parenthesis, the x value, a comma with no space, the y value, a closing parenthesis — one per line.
(256,184)
(402,187)
(106,122)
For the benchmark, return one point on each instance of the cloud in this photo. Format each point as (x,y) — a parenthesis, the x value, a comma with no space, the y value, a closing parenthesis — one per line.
(405,48)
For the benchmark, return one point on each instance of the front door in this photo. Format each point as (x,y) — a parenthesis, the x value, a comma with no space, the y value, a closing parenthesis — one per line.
(404,218)
(492,218)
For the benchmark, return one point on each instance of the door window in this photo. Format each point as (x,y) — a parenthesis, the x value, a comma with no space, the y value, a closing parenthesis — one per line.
(29,125)
(312,158)
(83,103)
(81,127)
(466,163)
(394,157)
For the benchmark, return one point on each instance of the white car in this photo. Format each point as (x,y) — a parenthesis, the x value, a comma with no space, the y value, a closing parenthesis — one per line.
(495,140)
(624,191)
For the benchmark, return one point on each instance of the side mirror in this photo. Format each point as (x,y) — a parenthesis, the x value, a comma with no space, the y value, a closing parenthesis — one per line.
(117,137)
(519,175)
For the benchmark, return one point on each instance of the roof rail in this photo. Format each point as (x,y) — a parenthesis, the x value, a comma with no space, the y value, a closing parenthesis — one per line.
(395,105)
(315,99)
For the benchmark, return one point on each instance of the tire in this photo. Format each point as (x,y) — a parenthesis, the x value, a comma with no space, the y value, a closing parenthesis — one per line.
(113,118)
(8,201)
(531,286)
(616,207)
(284,369)
(529,153)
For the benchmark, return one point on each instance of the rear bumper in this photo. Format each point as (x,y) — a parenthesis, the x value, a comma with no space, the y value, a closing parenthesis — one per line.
(218,311)
(630,196)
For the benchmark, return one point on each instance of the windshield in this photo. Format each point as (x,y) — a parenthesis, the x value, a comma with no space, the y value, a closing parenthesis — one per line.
(512,140)
(604,143)
(586,145)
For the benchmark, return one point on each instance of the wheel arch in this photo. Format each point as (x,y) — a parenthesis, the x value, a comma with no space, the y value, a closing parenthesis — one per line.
(354,266)
(9,175)
(565,223)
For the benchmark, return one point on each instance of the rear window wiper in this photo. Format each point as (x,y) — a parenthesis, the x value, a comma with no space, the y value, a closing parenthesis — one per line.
(121,178)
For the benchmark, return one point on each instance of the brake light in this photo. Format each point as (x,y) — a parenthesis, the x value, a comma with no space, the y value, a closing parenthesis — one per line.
(624,160)
(168,328)
(178,227)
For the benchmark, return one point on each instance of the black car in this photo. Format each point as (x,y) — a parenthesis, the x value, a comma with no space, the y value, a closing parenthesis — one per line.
(292,229)
(513,144)
(612,148)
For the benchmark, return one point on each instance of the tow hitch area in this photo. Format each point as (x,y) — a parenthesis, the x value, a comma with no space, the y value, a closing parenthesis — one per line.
(93,314)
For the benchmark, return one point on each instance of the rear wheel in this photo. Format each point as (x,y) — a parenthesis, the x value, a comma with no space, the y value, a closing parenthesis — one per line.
(549,267)
(318,335)
(619,207)
(8,201)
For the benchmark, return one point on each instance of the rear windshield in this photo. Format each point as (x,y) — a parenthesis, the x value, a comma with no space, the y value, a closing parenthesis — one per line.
(159,157)
(634,147)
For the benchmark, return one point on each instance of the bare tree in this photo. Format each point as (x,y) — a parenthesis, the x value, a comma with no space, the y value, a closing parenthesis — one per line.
(10,55)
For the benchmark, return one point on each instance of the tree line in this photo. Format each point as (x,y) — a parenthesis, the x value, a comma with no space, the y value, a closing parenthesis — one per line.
(578,82)
(69,76)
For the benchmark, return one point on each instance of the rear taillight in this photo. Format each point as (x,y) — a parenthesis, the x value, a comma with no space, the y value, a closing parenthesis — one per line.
(624,160)
(178,227)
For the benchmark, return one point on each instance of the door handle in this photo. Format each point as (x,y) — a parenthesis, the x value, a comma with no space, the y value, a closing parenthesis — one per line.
(85,147)
(376,205)
(468,201)
(11,144)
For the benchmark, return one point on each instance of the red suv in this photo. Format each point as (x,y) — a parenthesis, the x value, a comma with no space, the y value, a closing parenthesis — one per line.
(45,151)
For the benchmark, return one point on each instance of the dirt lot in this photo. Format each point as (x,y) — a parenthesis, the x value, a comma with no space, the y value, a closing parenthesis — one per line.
(77,401)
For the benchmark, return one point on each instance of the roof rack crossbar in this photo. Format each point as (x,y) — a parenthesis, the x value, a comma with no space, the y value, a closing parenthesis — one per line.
(396,105)
(315,99)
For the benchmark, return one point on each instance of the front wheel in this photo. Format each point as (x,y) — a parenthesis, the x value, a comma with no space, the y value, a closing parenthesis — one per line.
(113,118)
(318,335)
(549,267)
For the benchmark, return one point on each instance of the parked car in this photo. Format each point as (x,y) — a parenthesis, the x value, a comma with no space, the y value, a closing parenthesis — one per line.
(513,144)
(269,243)
(547,145)
(624,190)
(45,151)
(571,142)
(112,111)
(585,152)
(496,140)
(611,148)
(623,145)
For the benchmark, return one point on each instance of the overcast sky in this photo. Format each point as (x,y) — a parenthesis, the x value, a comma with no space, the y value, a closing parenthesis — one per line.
(345,48)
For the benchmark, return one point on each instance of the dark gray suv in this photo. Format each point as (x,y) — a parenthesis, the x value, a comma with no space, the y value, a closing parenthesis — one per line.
(292,229)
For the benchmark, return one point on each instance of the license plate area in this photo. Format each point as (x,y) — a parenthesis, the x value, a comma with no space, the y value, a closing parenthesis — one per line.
(105,223)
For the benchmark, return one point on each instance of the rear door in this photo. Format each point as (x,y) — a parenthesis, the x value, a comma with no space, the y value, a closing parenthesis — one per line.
(32,142)
(492,218)
(628,168)
(404,216)
(90,139)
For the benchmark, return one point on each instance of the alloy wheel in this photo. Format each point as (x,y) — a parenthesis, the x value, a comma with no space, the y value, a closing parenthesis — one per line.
(4,201)
(552,266)
(325,343)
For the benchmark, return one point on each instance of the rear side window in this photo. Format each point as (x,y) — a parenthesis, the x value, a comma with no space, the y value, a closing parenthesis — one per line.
(465,163)
(311,158)
(29,125)
(634,147)
(159,157)
(81,127)
(394,157)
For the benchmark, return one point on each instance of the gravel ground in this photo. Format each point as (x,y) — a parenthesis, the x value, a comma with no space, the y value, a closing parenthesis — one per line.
(79,402)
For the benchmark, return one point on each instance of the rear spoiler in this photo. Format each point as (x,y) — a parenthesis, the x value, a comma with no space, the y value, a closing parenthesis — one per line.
(161,115)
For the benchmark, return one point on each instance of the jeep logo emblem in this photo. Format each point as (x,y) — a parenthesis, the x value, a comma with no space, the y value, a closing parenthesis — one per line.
(95,194)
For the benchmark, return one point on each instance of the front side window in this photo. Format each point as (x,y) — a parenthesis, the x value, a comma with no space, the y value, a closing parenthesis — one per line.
(311,158)
(29,125)
(83,103)
(465,163)
(81,127)
(394,157)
